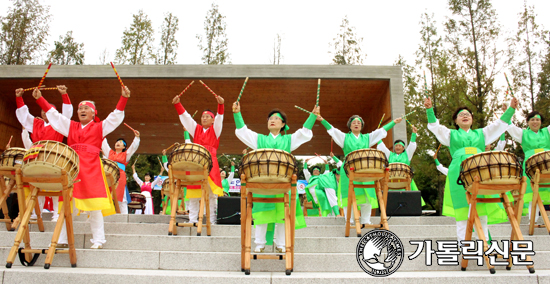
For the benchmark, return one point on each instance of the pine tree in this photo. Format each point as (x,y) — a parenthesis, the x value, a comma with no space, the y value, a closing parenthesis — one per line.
(473,33)
(24,32)
(137,42)
(347,46)
(67,51)
(168,43)
(214,43)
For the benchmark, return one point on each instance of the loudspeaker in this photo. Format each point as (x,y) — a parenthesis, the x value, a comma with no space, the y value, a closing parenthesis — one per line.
(229,210)
(403,203)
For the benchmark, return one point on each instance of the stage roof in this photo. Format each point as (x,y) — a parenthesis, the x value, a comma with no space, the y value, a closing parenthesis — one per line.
(369,91)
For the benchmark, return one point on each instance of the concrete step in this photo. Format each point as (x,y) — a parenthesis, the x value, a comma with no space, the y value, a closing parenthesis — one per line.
(92,276)
(229,243)
(403,231)
(231,261)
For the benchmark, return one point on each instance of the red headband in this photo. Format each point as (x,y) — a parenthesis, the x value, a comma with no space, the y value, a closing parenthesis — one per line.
(209,113)
(90,105)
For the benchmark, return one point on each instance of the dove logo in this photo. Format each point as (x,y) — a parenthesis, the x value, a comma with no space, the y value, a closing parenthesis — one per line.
(380,253)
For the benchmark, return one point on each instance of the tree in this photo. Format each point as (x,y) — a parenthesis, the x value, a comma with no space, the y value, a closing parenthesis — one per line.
(473,34)
(277,57)
(67,51)
(214,43)
(137,42)
(24,32)
(103,57)
(543,80)
(347,46)
(525,54)
(168,43)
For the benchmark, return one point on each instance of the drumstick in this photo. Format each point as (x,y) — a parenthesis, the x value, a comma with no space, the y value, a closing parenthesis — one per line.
(194,114)
(136,161)
(509,86)
(44,89)
(44,77)
(380,123)
(331,143)
(129,126)
(242,89)
(120,80)
(409,122)
(208,89)
(408,114)
(425,86)
(437,149)
(186,88)
(10,140)
(304,110)
(321,158)
(226,157)
(318,92)
(161,166)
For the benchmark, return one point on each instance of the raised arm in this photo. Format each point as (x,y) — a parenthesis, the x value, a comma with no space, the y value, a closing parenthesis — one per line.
(59,123)
(105,148)
(133,147)
(441,168)
(218,121)
(412,144)
(382,132)
(303,134)
(501,143)
(247,136)
(116,117)
(22,112)
(137,179)
(442,133)
(337,135)
(186,120)
(336,160)
(67,108)
(231,174)
(382,147)
(493,131)
(27,142)
(516,133)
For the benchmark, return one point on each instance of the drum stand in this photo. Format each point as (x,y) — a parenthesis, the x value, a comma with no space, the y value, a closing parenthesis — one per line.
(175,193)
(537,202)
(309,205)
(181,208)
(246,221)
(25,254)
(381,188)
(5,191)
(514,214)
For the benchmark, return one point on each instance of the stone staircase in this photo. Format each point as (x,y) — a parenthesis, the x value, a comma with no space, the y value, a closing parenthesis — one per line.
(139,250)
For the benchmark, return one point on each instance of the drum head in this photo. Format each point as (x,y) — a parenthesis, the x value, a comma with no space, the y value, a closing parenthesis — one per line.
(40,169)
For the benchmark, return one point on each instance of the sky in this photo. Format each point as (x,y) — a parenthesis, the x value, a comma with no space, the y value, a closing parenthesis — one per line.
(388,28)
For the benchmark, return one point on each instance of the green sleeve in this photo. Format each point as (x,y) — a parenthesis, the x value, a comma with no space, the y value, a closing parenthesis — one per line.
(389,126)
(336,160)
(503,137)
(327,168)
(164,159)
(379,142)
(431,115)
(239,122)
(437,162)
(326,124)
(186,135)
(507,116)
(310,121)
(413,137)
(232,169)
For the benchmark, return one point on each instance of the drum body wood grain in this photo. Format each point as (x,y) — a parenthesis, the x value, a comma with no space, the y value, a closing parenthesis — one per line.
(112,172)
(494,168)
(268,166)
(46,159)
(190,157)
(400,175)
(539,161)
(12,158)
(369,161)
